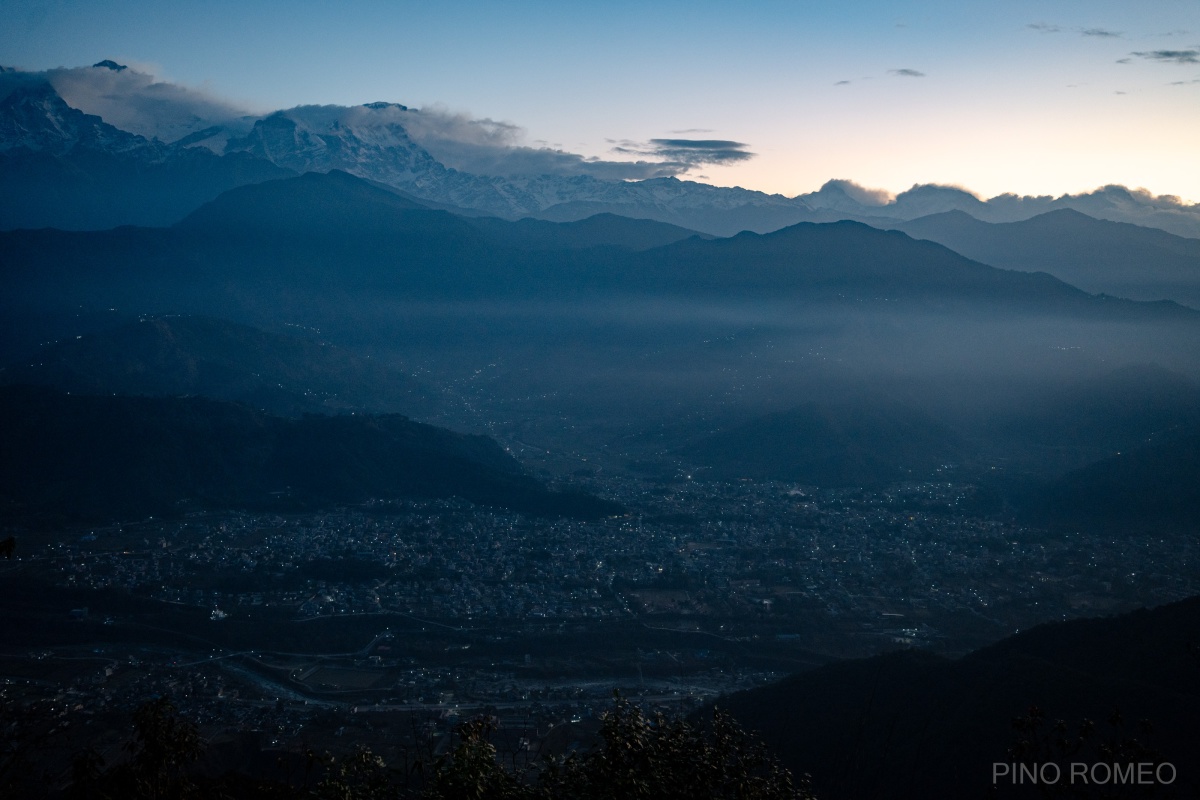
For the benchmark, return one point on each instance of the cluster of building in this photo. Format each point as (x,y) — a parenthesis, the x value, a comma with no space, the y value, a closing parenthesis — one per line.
(460,610)
(907,561)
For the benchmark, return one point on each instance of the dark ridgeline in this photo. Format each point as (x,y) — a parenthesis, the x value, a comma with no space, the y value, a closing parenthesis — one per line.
(1151,489)
(628,300)
(77,458)
(176,355)
(67,169)
(864,442)
(333,232)
(914,725)
(1096,255)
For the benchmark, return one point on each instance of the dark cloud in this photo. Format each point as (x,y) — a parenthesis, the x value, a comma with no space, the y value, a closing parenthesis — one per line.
(692,152)
(484,146)
(944,189)
(1117,193)
(133,99)
(13,79)
(491,147)
(907,73)
(856,192)
(433,127)
(1189,56)
(1095,33)
(1124,60)
(842,83)
(511,162)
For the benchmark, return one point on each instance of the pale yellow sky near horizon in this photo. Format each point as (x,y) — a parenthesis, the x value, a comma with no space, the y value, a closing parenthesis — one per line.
(1032,97)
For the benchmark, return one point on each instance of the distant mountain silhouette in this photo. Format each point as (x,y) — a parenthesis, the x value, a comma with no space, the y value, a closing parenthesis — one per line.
(296,205)
(914,725)
(1145,489)
(334,232)
(86,458)
(66,179)
(371,268)
(713,210)
(336,201)
(1089,420)
(599,230)
(1040,437)
(850,261)
(63,168)
(1112,202)
(1096,255)
(183,355)
(859,443)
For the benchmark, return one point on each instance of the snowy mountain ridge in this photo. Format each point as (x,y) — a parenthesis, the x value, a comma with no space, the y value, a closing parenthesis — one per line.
(36,119)
(374,141)
(371,142)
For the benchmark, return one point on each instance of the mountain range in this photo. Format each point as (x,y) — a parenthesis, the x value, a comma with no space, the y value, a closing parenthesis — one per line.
(863,442)
(62,168)
(320,237)
(85,459)
(750,354)
(65,168)
(608,321)
(183,356)
(1097,255)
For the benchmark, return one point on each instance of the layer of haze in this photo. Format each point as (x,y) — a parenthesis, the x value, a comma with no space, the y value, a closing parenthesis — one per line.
(1023,97)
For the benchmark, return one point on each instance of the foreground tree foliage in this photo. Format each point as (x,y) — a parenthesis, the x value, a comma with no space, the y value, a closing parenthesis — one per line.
(639,756)
(164,745)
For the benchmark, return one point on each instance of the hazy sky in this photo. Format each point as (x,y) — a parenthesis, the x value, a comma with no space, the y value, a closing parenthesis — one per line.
(1039,97)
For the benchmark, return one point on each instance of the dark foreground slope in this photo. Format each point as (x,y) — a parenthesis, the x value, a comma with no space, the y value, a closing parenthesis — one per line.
(913,725)
(70,457)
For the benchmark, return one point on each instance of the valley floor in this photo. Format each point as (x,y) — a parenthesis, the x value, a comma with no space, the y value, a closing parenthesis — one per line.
(389,622)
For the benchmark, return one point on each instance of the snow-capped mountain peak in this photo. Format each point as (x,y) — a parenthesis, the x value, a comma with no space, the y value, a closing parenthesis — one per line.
(379,106)
(367,141)
(34,117)
(65,114)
